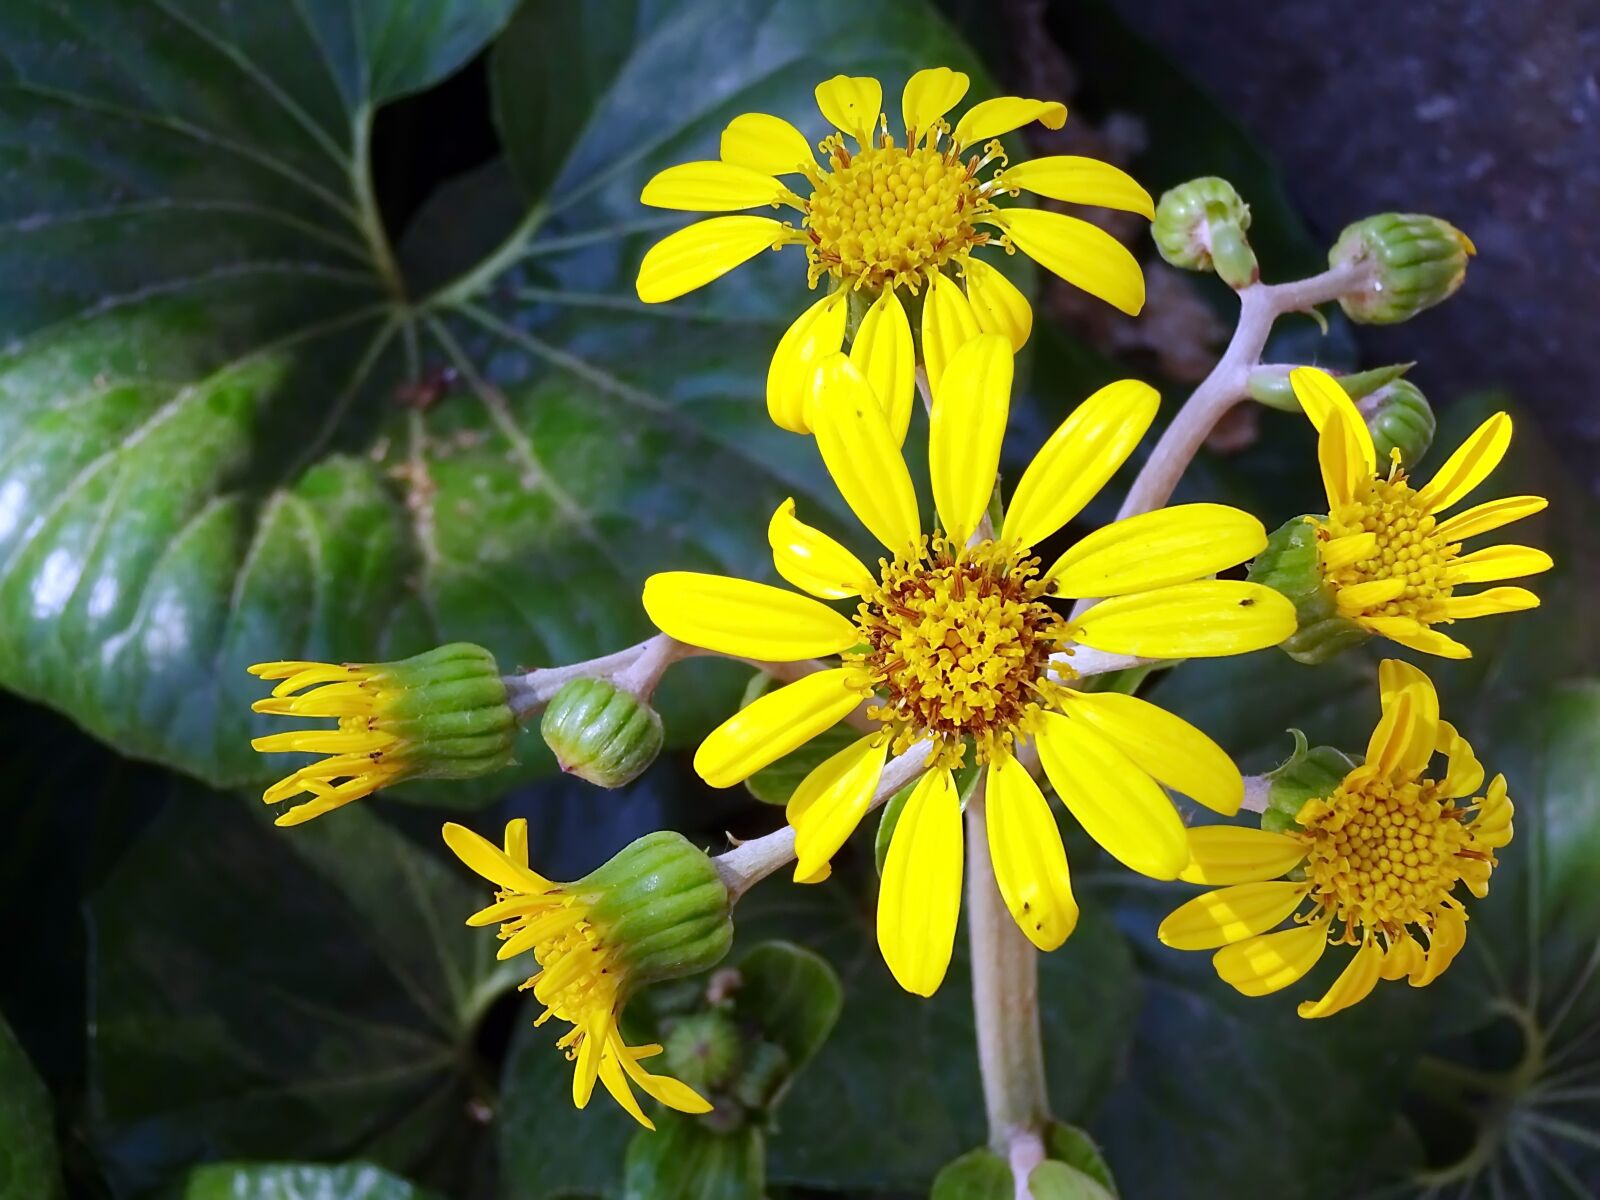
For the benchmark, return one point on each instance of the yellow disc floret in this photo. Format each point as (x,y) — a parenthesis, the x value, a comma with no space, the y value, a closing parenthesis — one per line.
(1407,572)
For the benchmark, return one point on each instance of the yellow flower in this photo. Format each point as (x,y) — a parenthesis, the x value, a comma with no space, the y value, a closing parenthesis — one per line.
(585,973)
(1392,564)
(1372,865)
(441,714)
(956,640)
(888,219)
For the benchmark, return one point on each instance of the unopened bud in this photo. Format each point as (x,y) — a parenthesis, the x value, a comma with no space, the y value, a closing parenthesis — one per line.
(1417,262)
(703,1050)
(661,904)
(1399,418)
(1292,566)
(1200,226)
(601,733)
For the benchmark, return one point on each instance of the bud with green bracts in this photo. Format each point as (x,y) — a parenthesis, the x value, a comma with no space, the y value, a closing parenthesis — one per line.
(1200,226)
(601,733)
(1269,384)
(662,906)
(1292,566)
(1310,773)
(1400,419)
(448,705)
(703,1050)
(1417,261)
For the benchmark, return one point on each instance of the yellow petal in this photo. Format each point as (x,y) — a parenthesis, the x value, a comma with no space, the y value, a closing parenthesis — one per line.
(919,899)
(1492,514)
(590,1052)
(1085,255)
(1030,863)
(948,323)
(992,118)
(861,454)
(852,104)
(1402,958)
(830,802)
(1081,181)
(765,143)
(1416,636)
(1339,457)
(928,95)
(1206,619)
(516,840)
(1470,465)
(1352,548)
(1402,743)
(710,186)
(1167,747)
(997,304)
(1499,562)
(1374,593)
(1320,394)
(1227,854)
(965,429)
(771,726)
(1355,982)
(1465,773)
(1395,675)
(813,561)
(1490,603)
(663,1088)
(745,619)
(1231,914)
(488,860)
(1117,803)
(1154,549)
(884,352)
(814,335)
(1078,460)
(1262,965)
(706,250)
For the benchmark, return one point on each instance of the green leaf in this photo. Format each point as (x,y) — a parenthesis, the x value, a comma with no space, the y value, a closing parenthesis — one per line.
(791,995)
(296,1181)
(1071,1145)
(979,1174)
(683,1160)
(258,993)
(1058,1181)
(29,1168)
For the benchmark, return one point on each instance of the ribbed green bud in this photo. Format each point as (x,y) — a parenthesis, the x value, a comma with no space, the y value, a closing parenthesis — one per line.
(1419,262)
(1200,226)
(662,906)
(1399,418)
(601,733)
(1310,773)
(703,1050)
(449,707)
(1290,565)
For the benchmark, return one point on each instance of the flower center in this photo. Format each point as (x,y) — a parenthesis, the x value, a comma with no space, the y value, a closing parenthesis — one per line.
(1384,855)
(1409,549)
(893,215)
(959,644)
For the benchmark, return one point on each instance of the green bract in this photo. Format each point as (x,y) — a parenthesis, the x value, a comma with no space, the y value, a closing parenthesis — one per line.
(449,705)
(1290,564)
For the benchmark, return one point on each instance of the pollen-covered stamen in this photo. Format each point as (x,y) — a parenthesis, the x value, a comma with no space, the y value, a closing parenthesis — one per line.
(959,643)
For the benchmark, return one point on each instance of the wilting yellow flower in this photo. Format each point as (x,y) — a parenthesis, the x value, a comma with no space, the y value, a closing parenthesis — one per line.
(1392,564)
(1372,865)
(955,640)
(441,715)
(596,939)
(888,219)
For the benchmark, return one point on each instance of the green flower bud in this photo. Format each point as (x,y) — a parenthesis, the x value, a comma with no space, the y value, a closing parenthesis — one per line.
(1310,773)
(703,1050)
(765,1072)
(601,733)
(1399,418)
(1200,226)
(1292,565)
(1419,261)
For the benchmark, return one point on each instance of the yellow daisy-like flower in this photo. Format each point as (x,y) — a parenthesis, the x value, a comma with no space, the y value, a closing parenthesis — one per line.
(1373,865)
(954,641)
(584,978)
(886,220)
(1393,565)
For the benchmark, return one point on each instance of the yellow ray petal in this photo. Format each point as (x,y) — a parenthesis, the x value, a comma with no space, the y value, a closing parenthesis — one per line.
(1085,255)
(830,802)
(1470,465)
(1499,562)
(1080,457)
(1402,742)
(860,452)
(1227,854)
(997,304)
(1465,773)
(1352,548)
(948,323)
(1414,635)
(1489,603)
(587,1067)
(771,726)
(615,1082)
(1403,957)
(1374,593)
(814,335)
(968,423)
(1319,394)
(994,118)
(663,1088)
(1262,965)
(1165,746)
(1206,619)
(765,143)
(488,860)
(1490,515)
(852,104)
(1339,458)
(919,899)
(1154,549)
(1395,675)
(706,250)
(1116,802)
(710,186)
(1030,863)
(928,95)
(516,840)
(813,561)
(1081,181)
(745,619)
(1355,982)
(1231,914)
(884,352)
